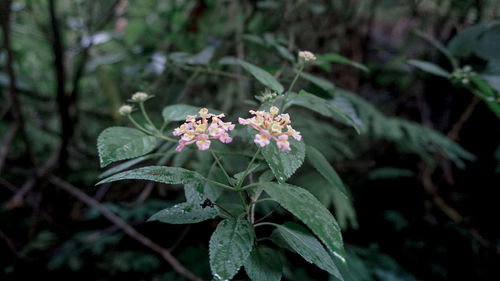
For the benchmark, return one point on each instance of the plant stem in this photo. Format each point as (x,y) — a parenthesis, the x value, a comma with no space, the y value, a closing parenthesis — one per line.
(145,114)
(250,186)
(137,125)
(243,203)
(221,167)
(240,182)
(291,86)
(266,223)
(262,200)
(219,184)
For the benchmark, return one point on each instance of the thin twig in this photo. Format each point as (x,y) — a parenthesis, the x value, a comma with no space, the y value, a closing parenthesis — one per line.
(13,94)
(455,131)
(129,230)
(65,107)
(7,140)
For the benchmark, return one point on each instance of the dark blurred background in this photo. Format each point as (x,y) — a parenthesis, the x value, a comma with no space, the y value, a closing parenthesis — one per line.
(66,67)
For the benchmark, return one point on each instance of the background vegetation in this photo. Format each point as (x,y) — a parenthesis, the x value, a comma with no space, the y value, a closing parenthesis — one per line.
(422,173)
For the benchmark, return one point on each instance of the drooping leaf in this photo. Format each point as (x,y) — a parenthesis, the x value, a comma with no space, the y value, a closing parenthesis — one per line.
(263,76)
(487,46)
(178,112)
(230,246)
(306,245)
(264,264)
(120,143)
(163,174)
(464,43)
(336,58)
(201,58)
(322,107)
(429,68)
(319,162)
(311,212)
(185,213)
(438,46)
(319,81)
(284,163)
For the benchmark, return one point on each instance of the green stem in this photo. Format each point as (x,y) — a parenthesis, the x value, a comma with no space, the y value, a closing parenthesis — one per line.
(137,125)
(243,203)
(291,87)
(249,186)
(163,126)
(221,167)
(240,182)
(266,223)
(165,138)
(144,113)
(262,200)
(219,184)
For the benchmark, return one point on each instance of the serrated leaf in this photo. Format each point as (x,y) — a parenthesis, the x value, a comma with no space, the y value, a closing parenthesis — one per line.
(264,264)
(429,68)
(163,174)
(178,112)
(120,143)
(322,107)
(311,212)
(284,163)
(306,245)
(319,162)
(185,213)
(230,246)
(263,76)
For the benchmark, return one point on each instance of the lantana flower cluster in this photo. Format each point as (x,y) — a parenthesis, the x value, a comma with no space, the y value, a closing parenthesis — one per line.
(201,132)
(271,125)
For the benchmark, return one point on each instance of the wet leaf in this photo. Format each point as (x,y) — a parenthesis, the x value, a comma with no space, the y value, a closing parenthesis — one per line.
(230,246)
(163,174)
(284,163)
(120,143)
(306,245)
(311,212)
(264,264)
(319,162)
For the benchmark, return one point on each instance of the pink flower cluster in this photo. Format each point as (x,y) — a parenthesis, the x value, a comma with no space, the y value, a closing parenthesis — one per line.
(270,126)
(200,132)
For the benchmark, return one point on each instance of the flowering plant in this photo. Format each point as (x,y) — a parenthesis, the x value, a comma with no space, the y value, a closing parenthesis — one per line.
(259,185)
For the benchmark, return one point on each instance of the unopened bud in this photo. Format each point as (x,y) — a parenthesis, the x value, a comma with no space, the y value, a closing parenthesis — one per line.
(139,97)
(125,110)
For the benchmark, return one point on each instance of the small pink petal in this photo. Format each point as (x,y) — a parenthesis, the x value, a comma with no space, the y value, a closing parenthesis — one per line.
(243,121)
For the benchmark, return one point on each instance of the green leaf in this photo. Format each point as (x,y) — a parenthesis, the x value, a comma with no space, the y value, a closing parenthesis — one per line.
(438,46)
(178,112)
(487,46)
(322,107)
(230,246)
(464,43)
(306,245)
(263,76)
(192,211)
(264,264)
(429,68)
(163,174)
(284,163)
(319,81)
(185,213)
(332,57)
(311,212)
(120,143)
(319,162)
